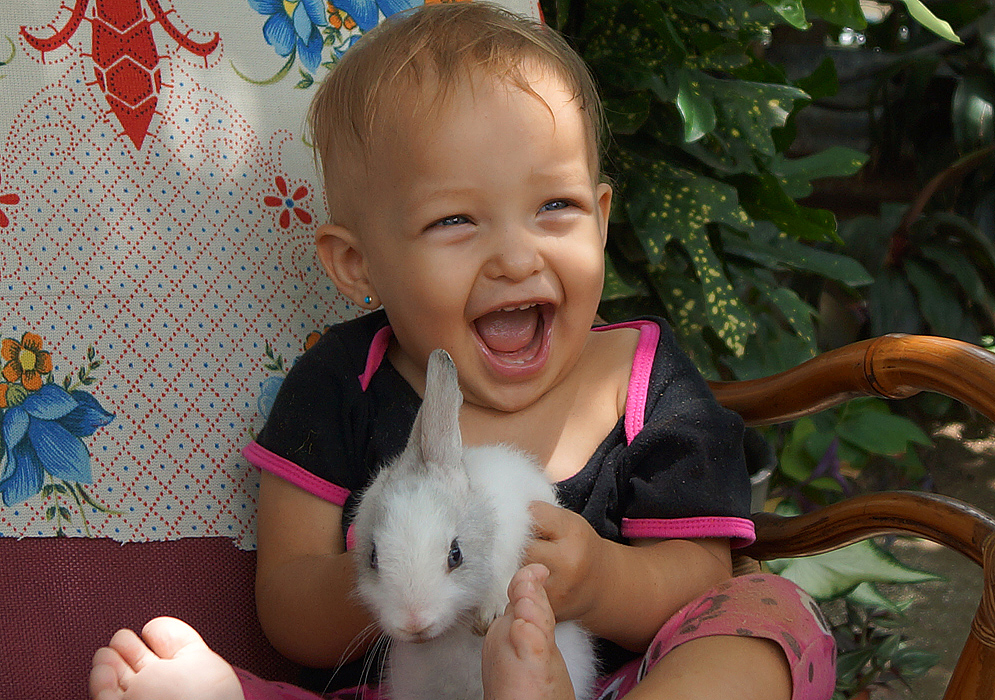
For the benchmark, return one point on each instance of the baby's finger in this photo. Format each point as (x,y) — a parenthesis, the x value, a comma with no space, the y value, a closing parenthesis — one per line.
(541,552)
(547,520)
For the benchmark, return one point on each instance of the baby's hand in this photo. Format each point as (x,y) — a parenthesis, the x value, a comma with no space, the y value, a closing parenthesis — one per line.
(574,554)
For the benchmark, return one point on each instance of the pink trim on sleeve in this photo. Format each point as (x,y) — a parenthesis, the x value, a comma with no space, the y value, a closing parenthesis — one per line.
(639,377)
(262,458)
(739,530)
(378,348)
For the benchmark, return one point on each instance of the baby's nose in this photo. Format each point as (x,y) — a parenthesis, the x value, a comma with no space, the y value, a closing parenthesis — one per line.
(516,256)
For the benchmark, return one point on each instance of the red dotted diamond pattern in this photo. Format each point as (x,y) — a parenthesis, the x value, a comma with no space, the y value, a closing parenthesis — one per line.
(169,264)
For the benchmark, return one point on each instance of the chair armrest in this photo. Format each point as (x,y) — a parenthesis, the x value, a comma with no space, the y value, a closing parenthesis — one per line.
(893,366)
(941,519)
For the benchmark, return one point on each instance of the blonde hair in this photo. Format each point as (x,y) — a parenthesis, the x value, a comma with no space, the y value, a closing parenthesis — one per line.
(444,45)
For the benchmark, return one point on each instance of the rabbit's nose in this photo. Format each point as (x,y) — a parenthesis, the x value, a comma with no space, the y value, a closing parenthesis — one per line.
(416,626)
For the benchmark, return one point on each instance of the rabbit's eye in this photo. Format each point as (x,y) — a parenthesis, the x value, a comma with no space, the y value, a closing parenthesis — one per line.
(373,557)
(455,555)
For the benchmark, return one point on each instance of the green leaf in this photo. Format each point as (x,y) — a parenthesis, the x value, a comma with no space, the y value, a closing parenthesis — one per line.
(726,315)
(835,161)
(696,109)
(764,198)
(791,10)
(653,15)
(972,111)
(822,82)
(958,265)
(662,207)
(784,253)
(796,312)
(921,14)
(616,287)
(892,305)
(306,81)
(938,303)
(868,596)
(749,110)
(881,433)
(849,664)
(914,663)
(626,114)
(770,350)
(826,483)
(795,461)
(842,13)
(562,12)
(834,574)
(685,307)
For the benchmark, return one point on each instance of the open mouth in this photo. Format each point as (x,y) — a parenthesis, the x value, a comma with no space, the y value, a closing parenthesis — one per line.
(514,338)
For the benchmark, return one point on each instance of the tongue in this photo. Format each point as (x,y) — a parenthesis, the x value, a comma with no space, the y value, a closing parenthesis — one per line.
(508,331)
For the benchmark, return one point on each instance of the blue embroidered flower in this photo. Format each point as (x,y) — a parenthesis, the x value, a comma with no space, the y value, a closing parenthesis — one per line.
(294,25)
(268,390)
(42,434)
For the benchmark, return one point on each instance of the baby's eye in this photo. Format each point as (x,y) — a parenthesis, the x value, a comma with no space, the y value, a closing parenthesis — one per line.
(454,220)
(556,205)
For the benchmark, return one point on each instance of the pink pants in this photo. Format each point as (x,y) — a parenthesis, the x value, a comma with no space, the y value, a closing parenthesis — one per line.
(758,605)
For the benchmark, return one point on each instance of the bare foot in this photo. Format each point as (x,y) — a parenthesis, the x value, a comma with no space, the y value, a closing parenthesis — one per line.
(521,661)
(169,662)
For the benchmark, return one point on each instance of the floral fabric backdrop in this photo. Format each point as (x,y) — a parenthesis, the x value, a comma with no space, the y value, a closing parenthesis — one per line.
(157,206)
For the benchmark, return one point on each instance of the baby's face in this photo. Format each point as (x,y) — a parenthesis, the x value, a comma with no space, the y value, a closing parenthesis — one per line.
(487,237)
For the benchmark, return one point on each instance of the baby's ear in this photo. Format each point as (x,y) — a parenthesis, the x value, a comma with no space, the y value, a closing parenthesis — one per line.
(604,192)
(341,254)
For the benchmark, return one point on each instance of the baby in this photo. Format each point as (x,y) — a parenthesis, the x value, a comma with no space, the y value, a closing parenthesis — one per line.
(460,147)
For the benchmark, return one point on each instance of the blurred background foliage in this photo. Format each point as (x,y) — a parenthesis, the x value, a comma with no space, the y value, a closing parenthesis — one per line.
(791,176)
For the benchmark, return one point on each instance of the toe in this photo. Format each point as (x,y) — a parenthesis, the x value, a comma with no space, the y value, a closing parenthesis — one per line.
(108,674)
(528,640)
(132,650)
(167,637)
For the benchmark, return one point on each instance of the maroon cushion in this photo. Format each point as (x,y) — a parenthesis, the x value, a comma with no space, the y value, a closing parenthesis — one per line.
(61,599)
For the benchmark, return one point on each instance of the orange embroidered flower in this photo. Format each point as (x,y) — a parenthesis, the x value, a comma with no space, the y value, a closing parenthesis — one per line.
(313,337)
(25,361)
(338,18)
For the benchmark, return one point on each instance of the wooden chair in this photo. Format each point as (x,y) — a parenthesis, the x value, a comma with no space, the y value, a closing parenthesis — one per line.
(892,367)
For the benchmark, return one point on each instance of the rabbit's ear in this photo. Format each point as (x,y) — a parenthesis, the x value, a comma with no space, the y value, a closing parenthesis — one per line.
(438,418)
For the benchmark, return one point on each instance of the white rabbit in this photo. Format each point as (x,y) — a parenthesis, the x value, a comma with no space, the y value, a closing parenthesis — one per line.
(438,535)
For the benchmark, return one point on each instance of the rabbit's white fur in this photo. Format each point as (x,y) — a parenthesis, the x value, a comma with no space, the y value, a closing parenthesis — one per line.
(435,495)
